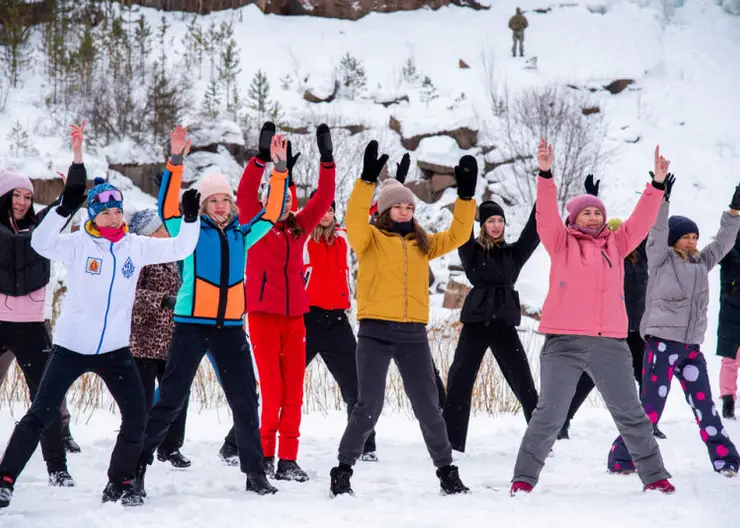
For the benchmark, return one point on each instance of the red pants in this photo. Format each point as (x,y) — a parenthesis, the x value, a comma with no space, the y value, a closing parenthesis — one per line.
(279,345)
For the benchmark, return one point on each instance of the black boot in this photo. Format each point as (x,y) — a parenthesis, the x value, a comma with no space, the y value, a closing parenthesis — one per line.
(175,458)
(270,466)
(229,454)
(6,491)
(70,445)
(258,483)
(124,491)
(340,480)
(728,407)
(61,479)
(563,434)
(290,470)
(657,433)
(140,475)
(449,480)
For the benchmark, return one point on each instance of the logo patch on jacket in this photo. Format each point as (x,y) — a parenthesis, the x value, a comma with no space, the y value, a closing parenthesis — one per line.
(94,265)
(128,268)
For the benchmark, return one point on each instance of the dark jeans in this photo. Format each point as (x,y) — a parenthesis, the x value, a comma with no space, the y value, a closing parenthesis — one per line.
(30,343)
(232,354)
(120,375)
(152,370)
(508,350)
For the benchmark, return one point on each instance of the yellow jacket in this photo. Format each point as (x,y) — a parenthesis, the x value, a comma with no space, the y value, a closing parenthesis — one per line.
(393,276)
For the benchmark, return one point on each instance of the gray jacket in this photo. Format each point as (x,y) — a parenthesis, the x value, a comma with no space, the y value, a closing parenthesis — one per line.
(678,290)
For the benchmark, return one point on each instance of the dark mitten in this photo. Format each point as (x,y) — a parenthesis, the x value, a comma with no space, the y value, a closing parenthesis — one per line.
(372,164)
(402,169)
(190,205)
(72,198)
(591,187)
(670,179)
(291,162)
(169,301)
(735,203)
(268,130)
(323,139)
(466,175)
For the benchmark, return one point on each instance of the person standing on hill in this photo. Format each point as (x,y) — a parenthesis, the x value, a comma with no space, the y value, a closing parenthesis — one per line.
(517,24)
(728,329)
(490,315)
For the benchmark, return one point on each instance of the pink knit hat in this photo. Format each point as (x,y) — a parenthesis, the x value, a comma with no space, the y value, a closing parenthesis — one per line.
(393,192)
(11,179)
(580,202)
(214,184)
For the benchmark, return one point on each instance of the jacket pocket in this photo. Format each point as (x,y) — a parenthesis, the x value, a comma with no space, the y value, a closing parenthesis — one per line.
(672,314)
(264,283)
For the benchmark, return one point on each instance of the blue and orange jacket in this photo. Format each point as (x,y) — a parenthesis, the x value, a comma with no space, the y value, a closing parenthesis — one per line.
(212,291)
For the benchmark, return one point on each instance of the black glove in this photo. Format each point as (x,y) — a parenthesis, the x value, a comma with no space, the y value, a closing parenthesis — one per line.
(72,198)
(190,205)
(670,179)
(268,130)
(591,187)
(466,175)
(323,139)
(291,162)
(157,179)
(663,186)
(168,301)
(372,164)
(402,169)
(735,203)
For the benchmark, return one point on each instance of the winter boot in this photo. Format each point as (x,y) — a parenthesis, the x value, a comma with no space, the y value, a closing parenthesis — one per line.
(229,454)
(520,487)
(6,491)
(290,470)
(728,407)
(340,484)
(124,491)
(140,475)
(657,433)
(175,458)
(257,482)
(61,479)
(563,434)
(70,446)
(449,480)
(663,486)
(370,456)
(270,467)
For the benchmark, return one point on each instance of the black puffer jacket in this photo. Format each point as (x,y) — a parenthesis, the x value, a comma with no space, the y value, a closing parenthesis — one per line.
(728,329)
(635,286)
(493,273)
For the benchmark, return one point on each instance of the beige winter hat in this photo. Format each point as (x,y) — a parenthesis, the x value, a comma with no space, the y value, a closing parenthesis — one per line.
(393,192)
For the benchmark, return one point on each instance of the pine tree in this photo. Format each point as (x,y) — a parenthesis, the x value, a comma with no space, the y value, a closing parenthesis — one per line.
(193,43)
(258,94)
(143,40)
(229,67)
(409,71)
(18,139)
(352,76)
(211,107)
(428,91)
(15,30)
(85,59)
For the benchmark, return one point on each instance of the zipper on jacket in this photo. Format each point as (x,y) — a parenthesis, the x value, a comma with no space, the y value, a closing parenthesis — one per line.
(223,286)
(607,258)
(107,308)
(285,272)
(405,273)
(264,283)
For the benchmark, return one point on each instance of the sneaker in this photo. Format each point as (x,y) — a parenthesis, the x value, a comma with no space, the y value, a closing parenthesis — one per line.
(663,486)
(61,479)
(340,480)
(290,470)
(728,472)
(449,480)
(6,491)
(269,463)
(370,456)
(520,487)
(728,407)
(657,433)
(258,483)
(229,454)
(70,446)
(175,458)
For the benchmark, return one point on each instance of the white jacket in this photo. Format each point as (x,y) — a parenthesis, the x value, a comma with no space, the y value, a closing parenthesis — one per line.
(95,315)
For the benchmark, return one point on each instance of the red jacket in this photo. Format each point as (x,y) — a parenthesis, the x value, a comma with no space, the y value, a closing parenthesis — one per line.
(275,263)
(327,272)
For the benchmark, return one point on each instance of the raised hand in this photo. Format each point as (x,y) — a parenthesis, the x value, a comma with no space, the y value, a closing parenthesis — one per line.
(735,203)
(591,187)
(661,166)
(466,175)
(544,156)
(190,205)
(669,181)
(290,160)
(402,169)
(78,137)
(179,142)
(279,152)
(265,141)
(372,165)
(323,140)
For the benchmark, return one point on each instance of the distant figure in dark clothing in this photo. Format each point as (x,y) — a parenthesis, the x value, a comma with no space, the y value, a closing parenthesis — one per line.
(517,24)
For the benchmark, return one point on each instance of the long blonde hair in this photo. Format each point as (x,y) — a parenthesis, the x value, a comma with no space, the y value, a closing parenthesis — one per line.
(487,241)
(328,233)
(232,206)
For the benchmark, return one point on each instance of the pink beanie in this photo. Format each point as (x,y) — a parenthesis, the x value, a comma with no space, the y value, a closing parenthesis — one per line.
(214,184)
(580,202)
(11,179)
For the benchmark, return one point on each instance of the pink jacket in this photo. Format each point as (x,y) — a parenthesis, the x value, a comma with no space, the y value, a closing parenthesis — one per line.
(586,294)
(26,309)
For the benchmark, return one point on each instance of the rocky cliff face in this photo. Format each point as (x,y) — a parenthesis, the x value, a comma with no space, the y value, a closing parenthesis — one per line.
(346,9)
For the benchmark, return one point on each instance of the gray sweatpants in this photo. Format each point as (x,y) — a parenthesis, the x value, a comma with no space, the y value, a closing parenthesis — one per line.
(415,364)
(609,363)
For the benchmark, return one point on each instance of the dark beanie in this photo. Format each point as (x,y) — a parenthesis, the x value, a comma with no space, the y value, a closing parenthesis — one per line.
(679,226)
(488,209)
(333,203)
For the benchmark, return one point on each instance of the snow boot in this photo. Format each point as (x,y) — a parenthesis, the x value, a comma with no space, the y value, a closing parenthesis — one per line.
(175,458)
(70,446)
(657,433)
(290,470)
(229,454)
(449,480)
(124,491)
(663,486)
(728,407)
(563,434)
(6,491)
(340,480)
(140,474)
(257,482)
(370,456)
(270,467)
(61,479)
(520,487)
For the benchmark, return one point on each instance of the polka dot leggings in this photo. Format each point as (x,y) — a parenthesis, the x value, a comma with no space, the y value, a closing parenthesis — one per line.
(661,361)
